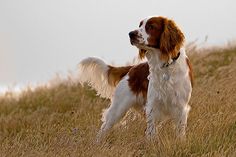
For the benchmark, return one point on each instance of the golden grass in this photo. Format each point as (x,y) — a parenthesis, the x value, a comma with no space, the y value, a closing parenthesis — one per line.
(63,120)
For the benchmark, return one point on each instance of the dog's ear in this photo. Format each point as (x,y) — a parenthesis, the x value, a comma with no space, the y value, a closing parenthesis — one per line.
(142,53)
(171,40)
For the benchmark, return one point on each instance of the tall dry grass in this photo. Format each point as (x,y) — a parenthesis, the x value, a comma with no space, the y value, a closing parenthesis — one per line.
(63,120)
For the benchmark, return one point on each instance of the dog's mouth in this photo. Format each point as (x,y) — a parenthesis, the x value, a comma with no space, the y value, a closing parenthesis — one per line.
(134,41)
(134,38)
(137,41)
(141,45)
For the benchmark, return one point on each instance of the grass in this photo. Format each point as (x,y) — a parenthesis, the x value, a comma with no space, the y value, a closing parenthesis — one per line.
(63,120)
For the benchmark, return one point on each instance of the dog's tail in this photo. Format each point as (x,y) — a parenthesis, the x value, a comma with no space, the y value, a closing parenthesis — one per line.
(100,76)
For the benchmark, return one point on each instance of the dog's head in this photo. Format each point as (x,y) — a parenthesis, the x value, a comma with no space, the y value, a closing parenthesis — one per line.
(158,33)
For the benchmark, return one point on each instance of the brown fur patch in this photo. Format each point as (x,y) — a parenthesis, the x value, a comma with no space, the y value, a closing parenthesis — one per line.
(166,35)
(115,74)
(171,40)
(190,70)
(154,28)
(138,81)
(142,53)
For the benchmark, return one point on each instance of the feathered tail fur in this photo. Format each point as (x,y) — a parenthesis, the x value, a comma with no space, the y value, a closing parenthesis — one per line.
(100,76)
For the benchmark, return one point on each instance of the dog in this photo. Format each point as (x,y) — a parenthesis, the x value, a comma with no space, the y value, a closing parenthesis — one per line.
(161,87)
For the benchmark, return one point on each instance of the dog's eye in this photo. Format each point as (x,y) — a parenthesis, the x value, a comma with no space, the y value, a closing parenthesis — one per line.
(141,23)
(151,27)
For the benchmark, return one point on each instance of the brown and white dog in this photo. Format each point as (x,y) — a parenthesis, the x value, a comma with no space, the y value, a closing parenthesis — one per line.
(161,87)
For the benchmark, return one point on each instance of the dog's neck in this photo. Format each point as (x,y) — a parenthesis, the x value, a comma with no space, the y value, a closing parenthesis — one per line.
(158,67)
(154,61)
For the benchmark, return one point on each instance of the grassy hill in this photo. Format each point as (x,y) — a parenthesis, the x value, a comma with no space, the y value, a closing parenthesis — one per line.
(63,120)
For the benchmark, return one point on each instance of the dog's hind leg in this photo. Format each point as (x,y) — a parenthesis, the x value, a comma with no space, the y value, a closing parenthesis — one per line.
(122,101)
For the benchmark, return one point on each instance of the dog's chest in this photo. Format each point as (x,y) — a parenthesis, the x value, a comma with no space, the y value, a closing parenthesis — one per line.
(168,91)
(162,85)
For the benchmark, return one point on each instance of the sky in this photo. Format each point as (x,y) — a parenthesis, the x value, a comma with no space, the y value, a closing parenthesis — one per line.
(41,38)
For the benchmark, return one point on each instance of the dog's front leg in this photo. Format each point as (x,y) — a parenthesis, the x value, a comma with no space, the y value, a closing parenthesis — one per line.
(151,129)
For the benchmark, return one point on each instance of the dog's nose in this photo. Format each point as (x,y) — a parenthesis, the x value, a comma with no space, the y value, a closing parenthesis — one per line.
(133,34)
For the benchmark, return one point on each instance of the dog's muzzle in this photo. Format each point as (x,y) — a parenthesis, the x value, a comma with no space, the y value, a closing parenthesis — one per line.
(133,35)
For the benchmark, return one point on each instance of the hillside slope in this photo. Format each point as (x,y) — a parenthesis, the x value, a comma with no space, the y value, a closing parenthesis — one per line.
(63,120)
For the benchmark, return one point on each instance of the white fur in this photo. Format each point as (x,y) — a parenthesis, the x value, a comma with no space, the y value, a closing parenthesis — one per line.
(94,71)
(121,102)
(142,34)
(169,92)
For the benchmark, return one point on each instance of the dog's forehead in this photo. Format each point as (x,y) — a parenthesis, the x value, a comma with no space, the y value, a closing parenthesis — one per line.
(144,21)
